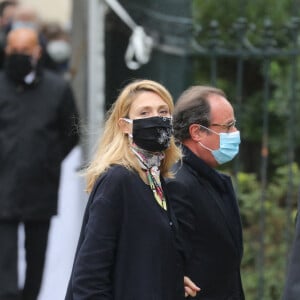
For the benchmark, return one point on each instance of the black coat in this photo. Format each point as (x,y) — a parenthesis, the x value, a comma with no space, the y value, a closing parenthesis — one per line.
(208,216)
(127,246)
(36,134)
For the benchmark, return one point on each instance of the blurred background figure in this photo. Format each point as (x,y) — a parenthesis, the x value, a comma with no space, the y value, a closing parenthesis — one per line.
(38,121)
(54,40)
(28,14)
(25,16)
(57,47)
(7,11)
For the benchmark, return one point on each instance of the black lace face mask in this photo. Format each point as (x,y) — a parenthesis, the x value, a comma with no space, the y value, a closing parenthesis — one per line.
(152,134)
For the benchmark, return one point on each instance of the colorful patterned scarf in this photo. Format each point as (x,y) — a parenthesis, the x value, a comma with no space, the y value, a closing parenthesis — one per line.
(150,162)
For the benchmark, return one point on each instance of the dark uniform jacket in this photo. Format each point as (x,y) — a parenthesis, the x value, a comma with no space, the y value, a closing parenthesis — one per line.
(208,216)
(127,246)
(36,133)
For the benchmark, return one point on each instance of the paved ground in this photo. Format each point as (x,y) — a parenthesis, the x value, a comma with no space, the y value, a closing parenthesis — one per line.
(64,231)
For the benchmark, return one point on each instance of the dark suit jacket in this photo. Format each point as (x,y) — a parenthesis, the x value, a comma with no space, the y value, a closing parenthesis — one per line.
(205,206)
(127,247)
(38,128)
(292,286)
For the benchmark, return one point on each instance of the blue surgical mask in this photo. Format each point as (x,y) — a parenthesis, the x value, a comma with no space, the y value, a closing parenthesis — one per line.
(229,146)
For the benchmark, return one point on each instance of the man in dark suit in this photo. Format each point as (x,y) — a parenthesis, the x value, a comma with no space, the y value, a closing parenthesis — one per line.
(37,115)
(292,285)
(204,199)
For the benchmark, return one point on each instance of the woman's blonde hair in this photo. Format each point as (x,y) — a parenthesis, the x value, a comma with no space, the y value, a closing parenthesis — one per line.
(114,147)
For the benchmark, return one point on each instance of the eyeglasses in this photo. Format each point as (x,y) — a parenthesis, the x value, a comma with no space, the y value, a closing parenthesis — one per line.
(225,126)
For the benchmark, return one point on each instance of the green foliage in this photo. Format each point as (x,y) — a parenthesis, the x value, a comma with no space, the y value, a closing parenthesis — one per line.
(276,229)
(255,11)
(281,71)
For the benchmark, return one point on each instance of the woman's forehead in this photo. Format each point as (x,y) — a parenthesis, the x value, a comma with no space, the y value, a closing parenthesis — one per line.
(148,99)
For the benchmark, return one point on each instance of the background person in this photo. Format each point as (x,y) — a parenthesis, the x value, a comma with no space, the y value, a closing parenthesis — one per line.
(37,119)
(57,48)
(7,12)
(203,199)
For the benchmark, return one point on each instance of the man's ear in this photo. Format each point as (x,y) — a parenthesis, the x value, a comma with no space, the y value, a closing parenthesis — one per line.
(124,126)
(195,132)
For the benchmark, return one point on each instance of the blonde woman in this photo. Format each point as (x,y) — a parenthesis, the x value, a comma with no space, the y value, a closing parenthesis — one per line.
(127,249)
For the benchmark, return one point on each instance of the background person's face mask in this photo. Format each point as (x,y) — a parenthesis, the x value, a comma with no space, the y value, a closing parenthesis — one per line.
(18,66)
(151,134)
(59,50)
(229,146)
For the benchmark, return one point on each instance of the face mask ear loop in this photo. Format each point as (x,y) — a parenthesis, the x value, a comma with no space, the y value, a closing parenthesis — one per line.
(209,129)
(127,120)
(130,122)
(205,147)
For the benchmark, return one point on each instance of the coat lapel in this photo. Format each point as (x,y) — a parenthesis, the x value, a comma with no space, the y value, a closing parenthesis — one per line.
(229,219)
(220,187)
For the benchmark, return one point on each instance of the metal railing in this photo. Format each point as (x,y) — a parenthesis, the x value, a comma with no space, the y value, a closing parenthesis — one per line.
(267,47)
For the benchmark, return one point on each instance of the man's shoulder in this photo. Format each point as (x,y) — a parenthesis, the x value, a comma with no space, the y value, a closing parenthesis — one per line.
(51,78)
(180,168)
(183,173)
(7,86)
(3,76)
(50,75)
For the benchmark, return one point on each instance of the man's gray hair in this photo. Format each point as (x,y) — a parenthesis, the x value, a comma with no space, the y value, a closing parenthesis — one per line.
(192,107)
